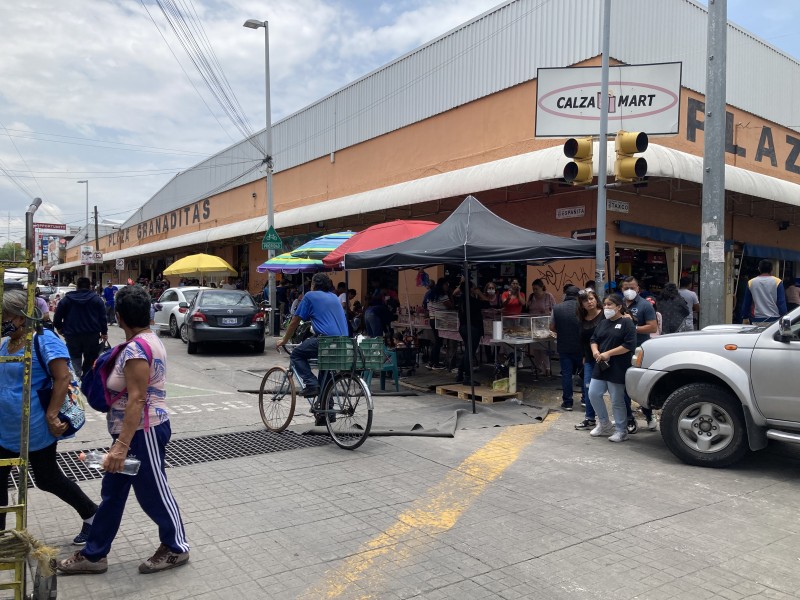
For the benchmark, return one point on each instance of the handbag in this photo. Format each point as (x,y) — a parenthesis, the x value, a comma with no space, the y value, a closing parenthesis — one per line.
(73,409)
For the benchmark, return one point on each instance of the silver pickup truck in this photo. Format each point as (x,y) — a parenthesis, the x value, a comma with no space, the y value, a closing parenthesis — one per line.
(724,390)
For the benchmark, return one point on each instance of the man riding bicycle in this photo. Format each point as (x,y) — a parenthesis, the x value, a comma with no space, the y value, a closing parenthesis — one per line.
(327,318)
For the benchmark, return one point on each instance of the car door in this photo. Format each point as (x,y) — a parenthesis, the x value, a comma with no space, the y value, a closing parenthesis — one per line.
(168,301)
(773,373)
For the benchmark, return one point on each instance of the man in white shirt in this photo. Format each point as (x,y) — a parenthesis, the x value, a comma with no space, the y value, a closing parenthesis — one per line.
(692,301)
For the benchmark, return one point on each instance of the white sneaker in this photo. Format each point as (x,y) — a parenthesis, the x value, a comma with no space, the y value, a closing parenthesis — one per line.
(618,437)
(652,424)
(602,429)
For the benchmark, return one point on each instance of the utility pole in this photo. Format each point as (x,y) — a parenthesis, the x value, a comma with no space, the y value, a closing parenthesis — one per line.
(712,246)
(96,247)
(602,164)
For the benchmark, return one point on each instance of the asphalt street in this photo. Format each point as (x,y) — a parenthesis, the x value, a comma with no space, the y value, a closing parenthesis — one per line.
(538,510)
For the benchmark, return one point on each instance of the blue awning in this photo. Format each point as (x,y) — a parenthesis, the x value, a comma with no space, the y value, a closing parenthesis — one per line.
(755,251)
(660,234)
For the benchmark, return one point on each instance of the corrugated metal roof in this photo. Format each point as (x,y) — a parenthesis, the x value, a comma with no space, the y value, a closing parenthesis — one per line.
(494,51)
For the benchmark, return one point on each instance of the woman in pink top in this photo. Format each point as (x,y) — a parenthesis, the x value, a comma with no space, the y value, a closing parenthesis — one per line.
(138,422)
(540,304)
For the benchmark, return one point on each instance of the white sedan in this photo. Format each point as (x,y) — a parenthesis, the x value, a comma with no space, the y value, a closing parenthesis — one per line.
(169,315)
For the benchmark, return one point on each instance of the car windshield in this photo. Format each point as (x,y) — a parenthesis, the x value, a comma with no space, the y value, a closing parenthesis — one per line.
(225,299)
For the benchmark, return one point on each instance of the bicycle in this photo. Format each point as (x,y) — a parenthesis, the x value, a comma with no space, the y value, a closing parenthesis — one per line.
(344,399)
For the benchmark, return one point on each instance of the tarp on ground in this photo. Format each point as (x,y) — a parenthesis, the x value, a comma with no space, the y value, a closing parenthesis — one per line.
(473,234)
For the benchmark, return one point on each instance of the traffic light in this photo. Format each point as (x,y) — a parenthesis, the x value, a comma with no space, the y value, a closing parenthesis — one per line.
(579,171)
(628,167)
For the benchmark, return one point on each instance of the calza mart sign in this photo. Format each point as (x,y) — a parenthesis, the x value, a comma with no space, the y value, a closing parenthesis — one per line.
(640,98)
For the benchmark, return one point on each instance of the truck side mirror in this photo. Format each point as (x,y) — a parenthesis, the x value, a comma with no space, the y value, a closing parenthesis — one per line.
(785,328)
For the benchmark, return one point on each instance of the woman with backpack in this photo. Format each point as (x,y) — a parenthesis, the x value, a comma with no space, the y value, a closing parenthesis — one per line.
(138,422)
(49,370)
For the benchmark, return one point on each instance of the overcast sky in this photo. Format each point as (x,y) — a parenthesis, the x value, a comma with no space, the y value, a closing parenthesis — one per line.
(90,90)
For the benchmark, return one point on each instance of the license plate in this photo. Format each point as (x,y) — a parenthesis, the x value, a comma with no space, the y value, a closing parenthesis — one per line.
(229,320)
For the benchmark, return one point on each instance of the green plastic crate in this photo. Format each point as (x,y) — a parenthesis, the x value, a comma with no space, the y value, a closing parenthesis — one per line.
(372,350)
(336,354)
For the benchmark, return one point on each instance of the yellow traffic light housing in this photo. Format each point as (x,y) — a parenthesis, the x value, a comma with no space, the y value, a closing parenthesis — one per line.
(628,167)
(579,171)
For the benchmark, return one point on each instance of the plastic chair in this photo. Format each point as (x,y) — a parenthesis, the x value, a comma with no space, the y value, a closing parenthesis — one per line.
(390,365)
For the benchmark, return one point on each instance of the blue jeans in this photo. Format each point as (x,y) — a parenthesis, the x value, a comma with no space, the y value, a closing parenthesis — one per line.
(299,360)
(569,362)
(597,388)
(588,367)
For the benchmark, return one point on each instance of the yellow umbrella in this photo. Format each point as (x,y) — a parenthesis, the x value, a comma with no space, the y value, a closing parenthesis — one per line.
(200,264)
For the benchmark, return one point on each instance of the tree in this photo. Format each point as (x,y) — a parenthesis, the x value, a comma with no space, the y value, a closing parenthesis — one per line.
(11,251)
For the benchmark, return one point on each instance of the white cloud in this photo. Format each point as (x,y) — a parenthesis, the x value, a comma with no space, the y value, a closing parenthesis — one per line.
(99,69)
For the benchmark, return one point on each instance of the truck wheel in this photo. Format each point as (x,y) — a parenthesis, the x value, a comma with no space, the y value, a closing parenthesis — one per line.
(702,424)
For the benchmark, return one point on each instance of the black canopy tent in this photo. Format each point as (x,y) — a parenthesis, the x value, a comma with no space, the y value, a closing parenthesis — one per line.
(472,234)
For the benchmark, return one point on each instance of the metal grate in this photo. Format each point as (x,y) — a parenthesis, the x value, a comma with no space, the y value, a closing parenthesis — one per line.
(192,451)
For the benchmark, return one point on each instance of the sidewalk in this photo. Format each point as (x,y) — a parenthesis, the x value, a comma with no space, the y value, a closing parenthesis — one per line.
(568,517)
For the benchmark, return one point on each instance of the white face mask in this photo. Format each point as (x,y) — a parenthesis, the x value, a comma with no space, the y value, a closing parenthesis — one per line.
(609,312)
(630,294)
(491,292)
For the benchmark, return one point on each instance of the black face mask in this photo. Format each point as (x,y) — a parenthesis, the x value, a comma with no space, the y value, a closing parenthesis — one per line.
(8,328)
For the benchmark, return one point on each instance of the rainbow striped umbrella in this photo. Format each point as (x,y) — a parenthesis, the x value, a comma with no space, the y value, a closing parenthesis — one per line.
(320,247)
(288,264)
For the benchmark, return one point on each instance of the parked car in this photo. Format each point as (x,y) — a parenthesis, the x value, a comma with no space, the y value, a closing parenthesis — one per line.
(169,314)
(724,390)
(46,291)
(224,316)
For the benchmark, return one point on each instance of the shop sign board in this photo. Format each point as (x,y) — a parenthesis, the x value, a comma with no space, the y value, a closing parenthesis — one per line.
(120,264)
(570,212)
(619,206)
(271,240)
(87,255)
(50,227)
(641,98)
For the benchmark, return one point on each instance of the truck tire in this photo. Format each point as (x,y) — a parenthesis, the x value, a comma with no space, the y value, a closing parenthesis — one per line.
(703,425)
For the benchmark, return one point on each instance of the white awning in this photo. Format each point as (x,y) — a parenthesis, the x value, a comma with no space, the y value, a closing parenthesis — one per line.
(540,165)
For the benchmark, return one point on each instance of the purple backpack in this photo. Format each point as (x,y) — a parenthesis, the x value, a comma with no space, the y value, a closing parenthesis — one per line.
(94,383)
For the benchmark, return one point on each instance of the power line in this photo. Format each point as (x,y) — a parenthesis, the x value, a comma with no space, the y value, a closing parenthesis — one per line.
(74,137)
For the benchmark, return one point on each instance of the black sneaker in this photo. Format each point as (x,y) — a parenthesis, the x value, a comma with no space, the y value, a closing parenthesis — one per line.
(80,539)
(632,425)
(586,424)
(566,407)
(311,392)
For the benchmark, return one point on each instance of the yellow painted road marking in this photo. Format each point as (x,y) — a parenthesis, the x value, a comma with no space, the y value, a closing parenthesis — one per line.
(435,512)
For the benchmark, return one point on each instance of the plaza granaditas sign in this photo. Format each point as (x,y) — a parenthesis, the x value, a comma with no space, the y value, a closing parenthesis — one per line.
(198,212)
(787,156)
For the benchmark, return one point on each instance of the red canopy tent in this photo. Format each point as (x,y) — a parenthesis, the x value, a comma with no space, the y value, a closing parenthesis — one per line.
(377,236)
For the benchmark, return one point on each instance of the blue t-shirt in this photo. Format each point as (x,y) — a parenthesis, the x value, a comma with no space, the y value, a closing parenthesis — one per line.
(326,313)
(11,394)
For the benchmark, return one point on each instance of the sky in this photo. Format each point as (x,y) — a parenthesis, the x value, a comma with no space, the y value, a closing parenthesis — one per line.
(101,90)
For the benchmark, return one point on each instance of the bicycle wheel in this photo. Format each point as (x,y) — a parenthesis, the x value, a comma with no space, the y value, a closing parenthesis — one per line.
(349,411)
(276,399)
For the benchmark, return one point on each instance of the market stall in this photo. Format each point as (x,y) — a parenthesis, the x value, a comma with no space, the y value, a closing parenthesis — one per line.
(472,234)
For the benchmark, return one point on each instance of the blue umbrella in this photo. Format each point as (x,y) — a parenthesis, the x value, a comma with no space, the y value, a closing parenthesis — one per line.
(320,247)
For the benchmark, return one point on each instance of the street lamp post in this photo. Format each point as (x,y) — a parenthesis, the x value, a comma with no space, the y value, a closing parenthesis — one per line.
(86,181)
(255,24)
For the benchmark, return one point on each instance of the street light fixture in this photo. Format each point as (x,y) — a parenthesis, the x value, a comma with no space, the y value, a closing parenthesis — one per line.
(255,24)
(86,181)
